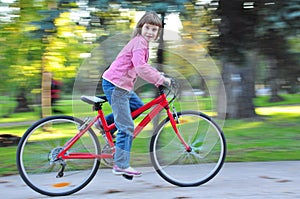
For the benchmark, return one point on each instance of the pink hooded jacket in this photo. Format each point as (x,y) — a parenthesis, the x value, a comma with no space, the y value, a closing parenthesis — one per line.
(131,63)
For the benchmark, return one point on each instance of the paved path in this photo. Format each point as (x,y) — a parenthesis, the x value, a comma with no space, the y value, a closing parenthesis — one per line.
(254,180)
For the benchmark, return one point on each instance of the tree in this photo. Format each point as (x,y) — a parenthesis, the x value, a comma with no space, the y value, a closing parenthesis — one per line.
(20,54)
(235,31)
(42,39)
(279,22)
(246,29)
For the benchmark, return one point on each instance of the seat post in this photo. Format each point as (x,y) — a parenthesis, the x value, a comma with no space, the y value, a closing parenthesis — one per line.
(98,106)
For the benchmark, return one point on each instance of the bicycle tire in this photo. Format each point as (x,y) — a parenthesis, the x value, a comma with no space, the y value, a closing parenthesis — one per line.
(37,150)
(180,167)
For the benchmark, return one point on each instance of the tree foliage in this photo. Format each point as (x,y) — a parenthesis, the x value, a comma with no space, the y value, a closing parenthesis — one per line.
(51,36)
(42,38)
(246,29)
(278,26)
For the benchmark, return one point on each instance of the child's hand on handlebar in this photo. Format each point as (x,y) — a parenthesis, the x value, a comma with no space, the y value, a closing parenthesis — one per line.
(167,82)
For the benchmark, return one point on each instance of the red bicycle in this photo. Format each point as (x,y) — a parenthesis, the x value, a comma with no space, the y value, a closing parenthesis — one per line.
(59,155)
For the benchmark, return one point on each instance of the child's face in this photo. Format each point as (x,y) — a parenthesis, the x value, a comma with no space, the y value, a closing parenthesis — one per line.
(149,32)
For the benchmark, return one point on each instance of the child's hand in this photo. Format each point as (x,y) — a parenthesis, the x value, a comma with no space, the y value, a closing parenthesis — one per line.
(167,82)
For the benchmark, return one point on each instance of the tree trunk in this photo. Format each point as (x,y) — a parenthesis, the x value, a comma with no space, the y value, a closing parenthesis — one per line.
(238,82)
(160,61)
(46,94)
(274,82)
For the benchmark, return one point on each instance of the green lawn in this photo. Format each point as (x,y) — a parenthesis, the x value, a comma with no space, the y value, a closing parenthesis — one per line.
(273,136)
(289,99)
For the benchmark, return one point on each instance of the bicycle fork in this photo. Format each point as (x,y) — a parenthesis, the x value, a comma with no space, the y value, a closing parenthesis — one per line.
(175,120)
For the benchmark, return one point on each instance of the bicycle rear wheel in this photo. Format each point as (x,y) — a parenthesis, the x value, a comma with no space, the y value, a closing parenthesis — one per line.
(37,151)
(188,168)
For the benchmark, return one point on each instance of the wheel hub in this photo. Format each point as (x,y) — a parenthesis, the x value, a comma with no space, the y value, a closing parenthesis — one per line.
(52,157)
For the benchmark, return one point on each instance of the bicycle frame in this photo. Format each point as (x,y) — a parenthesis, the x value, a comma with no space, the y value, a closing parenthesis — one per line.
(161,102)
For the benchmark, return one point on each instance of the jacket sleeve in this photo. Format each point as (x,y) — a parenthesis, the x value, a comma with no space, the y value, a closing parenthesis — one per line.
(145,70)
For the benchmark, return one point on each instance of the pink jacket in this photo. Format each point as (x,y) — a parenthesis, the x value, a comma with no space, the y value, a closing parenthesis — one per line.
(131,63)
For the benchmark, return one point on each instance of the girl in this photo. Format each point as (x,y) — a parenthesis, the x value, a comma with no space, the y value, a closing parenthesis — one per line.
(118,83)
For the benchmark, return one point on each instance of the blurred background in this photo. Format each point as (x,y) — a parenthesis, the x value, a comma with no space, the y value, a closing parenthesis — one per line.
(254,45)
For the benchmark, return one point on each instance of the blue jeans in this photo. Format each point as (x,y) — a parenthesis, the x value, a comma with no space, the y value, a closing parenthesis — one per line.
(122,103)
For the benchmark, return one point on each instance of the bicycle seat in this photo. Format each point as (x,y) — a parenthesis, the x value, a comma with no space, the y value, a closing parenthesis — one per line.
(94,99)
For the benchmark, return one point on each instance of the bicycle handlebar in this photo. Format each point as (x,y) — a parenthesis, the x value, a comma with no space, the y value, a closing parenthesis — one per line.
(173,88)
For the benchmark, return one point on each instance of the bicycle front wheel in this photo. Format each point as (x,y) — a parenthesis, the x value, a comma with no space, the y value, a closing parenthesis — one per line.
(188,168)
(37,160)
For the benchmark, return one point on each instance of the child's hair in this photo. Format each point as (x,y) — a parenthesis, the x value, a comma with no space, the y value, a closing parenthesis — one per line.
(150,18)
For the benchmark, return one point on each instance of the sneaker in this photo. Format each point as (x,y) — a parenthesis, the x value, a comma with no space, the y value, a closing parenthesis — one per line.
(128,171)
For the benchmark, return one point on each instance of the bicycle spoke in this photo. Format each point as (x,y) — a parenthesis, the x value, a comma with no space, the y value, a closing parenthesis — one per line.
(37,156)
(188,168)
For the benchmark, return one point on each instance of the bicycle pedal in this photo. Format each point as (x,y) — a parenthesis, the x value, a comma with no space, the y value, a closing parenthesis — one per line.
(127,177)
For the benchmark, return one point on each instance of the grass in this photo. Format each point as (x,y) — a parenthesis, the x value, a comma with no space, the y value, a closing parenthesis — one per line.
(289,99)
(7,160)
(273,136)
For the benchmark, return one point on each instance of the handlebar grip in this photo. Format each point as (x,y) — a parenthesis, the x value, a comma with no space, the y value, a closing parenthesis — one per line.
(161,87)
